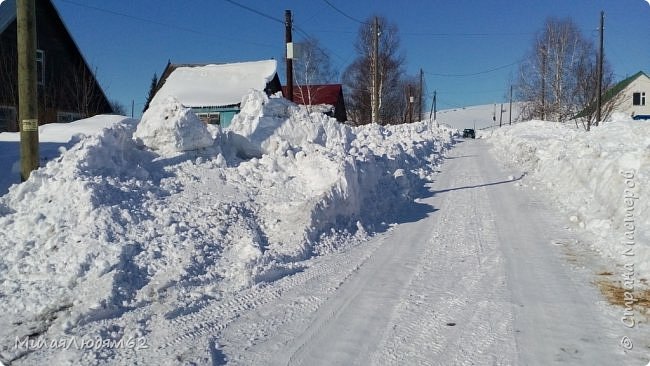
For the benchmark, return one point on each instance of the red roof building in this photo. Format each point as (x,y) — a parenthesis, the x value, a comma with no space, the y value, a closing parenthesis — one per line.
(315,95)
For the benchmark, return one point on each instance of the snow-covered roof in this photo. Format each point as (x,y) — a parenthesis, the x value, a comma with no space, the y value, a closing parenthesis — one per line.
(215,85)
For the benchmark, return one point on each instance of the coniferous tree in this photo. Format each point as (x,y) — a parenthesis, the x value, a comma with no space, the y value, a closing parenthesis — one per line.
(152,91)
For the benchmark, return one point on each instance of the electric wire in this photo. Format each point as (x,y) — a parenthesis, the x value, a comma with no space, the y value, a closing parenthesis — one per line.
(343,13)
(162,24)
(475,73)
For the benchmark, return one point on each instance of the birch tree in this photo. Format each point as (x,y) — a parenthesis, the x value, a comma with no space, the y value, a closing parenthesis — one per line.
(558,77)
(357,77)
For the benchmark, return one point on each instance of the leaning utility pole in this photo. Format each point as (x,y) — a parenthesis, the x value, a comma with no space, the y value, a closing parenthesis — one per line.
(289,53)
(374,99)
(433,107)
(600,69)
(27,89)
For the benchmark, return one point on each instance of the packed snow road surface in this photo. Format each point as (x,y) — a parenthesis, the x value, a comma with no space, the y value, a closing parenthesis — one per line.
(476,275)
(292,239)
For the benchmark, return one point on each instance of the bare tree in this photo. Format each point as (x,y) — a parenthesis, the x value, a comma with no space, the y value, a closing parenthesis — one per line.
(357,78)
(410,95)
(312,67)
(82,91)
(118,108)
(9,82)
(558,78)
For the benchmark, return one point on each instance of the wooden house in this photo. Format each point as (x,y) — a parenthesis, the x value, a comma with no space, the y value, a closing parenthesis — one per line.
(329,96)
(214,91)
(67,88)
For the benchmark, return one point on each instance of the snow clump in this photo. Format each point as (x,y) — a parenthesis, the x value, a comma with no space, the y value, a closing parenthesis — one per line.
(169,127)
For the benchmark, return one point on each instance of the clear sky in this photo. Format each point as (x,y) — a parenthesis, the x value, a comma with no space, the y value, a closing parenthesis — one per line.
(128,41)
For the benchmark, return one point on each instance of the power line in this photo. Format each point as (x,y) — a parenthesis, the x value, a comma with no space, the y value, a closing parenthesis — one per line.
(344,14)
(474,73)
(433,34)
(162,24)
(103,10)
(255,11)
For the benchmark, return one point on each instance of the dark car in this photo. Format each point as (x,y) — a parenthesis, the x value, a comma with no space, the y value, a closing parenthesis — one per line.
(468,132)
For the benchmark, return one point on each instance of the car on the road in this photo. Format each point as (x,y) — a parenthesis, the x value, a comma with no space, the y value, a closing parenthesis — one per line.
(469,132)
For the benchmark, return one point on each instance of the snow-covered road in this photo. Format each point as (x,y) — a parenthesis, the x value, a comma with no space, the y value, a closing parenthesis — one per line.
(477,275)
(375,245)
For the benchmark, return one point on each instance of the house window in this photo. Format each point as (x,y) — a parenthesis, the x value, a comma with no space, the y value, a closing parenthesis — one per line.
(65,117)
(40,67)
(212,118)
(638,98)
(7,118)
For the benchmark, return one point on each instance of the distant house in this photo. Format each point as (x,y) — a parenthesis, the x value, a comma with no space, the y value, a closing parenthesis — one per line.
(67,88)
(630,96)
(635,92)
(321,95)
(214,91)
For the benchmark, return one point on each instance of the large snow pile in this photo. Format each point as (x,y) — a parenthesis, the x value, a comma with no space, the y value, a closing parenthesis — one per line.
(114,227)
(601,178)
(169,127)
(53,138)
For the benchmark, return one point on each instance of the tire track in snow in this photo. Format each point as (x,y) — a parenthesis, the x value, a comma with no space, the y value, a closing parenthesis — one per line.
(449,315)
(184,337)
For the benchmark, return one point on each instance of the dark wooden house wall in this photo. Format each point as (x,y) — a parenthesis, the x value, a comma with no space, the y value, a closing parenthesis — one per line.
(67,77)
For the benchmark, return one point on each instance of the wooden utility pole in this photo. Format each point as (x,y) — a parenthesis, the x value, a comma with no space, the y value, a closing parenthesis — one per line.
(500,114)
(374,99)
(410,104)
(600,71)
(510,108)
(27,87)
(543,82)
(419,117)
(433,107)
(289,53)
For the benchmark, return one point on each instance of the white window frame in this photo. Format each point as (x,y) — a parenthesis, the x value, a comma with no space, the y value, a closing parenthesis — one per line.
(210,117)
(641,98)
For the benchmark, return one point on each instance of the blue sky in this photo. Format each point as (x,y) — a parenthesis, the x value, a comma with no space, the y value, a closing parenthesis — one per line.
(128,41)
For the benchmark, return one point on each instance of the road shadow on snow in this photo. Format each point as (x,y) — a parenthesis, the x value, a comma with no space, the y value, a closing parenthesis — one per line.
(459,157)
(480,185)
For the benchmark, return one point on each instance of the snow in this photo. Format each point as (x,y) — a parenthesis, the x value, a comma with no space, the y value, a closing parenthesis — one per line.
(53,138)
(287,234)
(216,85)
(168,127)
(600,178)
(154,214)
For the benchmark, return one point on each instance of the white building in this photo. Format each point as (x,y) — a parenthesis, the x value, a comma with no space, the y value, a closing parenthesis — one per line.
(632,95)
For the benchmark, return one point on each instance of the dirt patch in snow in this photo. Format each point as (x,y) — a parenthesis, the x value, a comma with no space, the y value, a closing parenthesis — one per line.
(615,294)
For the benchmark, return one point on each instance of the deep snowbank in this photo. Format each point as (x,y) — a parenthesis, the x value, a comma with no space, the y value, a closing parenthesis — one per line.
(601,178)
(113,226)
(53,137)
